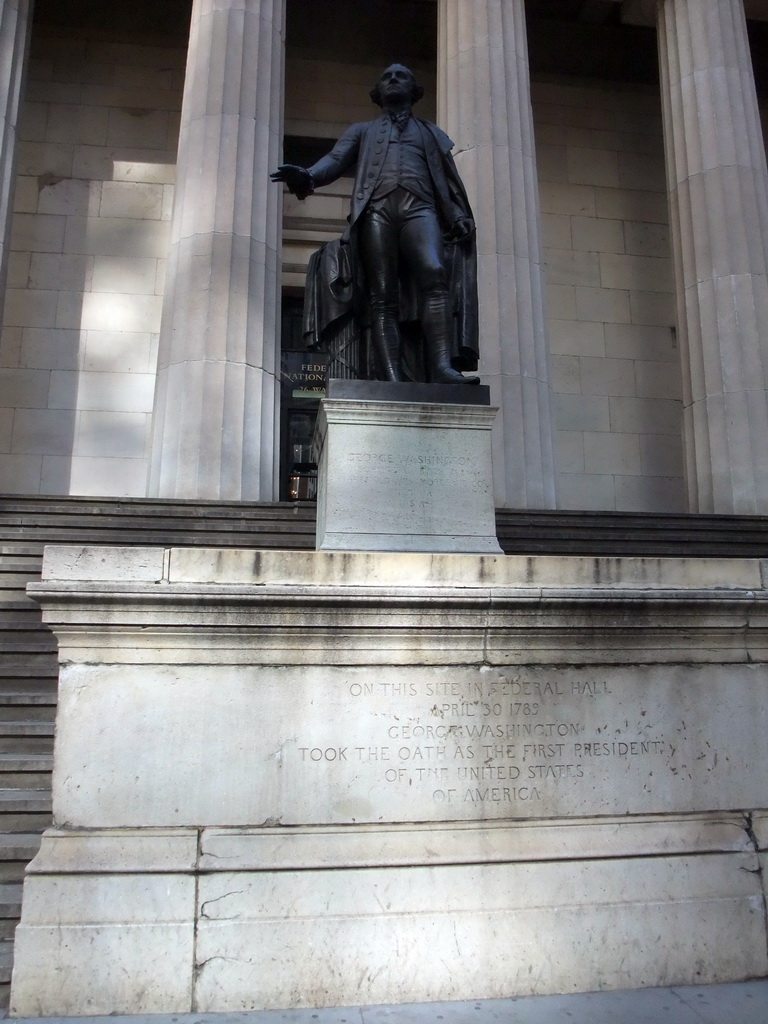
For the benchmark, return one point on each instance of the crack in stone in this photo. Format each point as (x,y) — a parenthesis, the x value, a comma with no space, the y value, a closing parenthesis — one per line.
(235,892)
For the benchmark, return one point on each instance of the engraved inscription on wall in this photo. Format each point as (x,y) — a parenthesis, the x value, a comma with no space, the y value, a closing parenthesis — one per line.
(461,743)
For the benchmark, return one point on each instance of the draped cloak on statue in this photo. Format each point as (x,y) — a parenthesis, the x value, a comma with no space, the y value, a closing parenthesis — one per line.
(335,307)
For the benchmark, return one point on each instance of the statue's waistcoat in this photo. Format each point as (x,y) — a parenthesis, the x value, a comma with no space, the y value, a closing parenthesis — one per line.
(374,142)
(403,163)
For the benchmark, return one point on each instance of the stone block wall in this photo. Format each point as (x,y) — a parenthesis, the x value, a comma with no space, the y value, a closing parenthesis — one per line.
(615,363)
(89,237)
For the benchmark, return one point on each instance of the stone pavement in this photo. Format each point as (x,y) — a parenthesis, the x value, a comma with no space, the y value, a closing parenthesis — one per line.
(743,1003)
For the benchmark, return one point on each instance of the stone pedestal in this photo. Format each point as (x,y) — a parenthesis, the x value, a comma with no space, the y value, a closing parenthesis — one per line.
(322,779)
(405,475)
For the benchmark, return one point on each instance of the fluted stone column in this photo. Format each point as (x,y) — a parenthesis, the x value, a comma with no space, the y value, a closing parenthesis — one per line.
(215,430)
(15,20)
(718,185)
(484,105)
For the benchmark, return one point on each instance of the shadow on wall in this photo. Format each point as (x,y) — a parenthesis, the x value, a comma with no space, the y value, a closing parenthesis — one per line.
(94,191)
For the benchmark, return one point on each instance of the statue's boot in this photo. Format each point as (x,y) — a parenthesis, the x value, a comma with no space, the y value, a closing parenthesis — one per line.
(445,374)
(435,322)
(386,340)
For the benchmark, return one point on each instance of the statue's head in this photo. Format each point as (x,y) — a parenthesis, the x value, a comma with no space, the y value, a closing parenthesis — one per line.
(396,84)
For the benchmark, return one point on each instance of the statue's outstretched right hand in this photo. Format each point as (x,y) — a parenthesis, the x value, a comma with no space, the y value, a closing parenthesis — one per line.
(298,179)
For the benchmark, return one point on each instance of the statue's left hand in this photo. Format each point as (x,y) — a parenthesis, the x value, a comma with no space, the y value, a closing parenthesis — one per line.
(461,229)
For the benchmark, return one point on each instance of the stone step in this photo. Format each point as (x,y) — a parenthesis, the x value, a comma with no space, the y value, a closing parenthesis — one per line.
(20,550)
(27,712)
(16,599)
(26,771)
(10,909)
(26,762)
(6,968)
(19,846)
(25,635)
(5,986)
(154,522)
(25,810)
(22,799)
(43,692)
(26,737)
(25,618)
(10,580)
(25,664)
(36,800)
(32,639)
(12,872)
(636,534)
(45,678)
(26,780)
(30,564)
(10,900)
(29,640)
(6,965)
(10,685)
(26,728)
(32,682)
(28,522)
(24,821)
(40,688)
(34,744)
(16,574)
(44,664)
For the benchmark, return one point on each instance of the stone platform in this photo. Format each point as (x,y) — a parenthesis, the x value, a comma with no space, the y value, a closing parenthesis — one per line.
(291,779)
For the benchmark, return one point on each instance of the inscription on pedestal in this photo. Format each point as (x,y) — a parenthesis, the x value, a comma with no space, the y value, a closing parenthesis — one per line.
(453,744)
(403,485)
(330,744)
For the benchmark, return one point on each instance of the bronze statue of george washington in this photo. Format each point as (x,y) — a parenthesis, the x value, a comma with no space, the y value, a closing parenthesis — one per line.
(408,257)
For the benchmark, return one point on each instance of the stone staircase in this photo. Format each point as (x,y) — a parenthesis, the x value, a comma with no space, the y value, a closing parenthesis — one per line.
(28,662)
(28,673)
